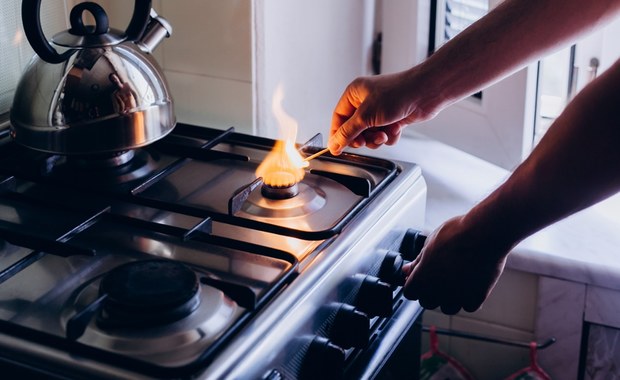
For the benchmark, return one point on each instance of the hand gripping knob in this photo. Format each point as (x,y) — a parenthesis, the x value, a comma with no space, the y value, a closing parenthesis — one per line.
(391,270)
(412,244)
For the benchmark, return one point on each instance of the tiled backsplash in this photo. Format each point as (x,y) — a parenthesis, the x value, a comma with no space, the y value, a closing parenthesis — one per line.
(207,61)
(15,50)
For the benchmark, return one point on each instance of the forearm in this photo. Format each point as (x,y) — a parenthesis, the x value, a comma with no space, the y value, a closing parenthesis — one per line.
(505,40)
(575,165)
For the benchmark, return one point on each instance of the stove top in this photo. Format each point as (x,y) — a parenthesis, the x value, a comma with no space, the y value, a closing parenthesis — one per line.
(154,259)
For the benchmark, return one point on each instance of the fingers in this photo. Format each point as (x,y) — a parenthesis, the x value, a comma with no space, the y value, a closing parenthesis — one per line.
(346,134)
(374,137)
(371,137)
(346,124)
(363,118)
(393,133)
(439,292)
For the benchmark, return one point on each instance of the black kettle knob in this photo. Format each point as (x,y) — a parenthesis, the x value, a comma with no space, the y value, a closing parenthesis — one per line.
(102,24)
(31,19)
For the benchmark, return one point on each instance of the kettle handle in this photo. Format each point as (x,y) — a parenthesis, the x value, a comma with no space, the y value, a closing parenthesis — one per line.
(31,18)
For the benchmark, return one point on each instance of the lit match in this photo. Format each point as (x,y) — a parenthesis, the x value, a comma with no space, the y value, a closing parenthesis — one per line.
(313,156)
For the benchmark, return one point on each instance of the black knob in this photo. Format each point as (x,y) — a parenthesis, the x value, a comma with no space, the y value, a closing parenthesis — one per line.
(323,360)
(412,244)
(350,327)
(391,270)
(374,297)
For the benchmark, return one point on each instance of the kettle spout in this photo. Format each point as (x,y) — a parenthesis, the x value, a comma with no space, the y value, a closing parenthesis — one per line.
(157,29)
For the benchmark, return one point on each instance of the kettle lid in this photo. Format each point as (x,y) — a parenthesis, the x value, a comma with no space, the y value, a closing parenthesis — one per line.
(87,36)
(82,36)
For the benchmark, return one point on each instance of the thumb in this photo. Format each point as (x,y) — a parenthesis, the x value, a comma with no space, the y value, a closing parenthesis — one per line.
(407,269)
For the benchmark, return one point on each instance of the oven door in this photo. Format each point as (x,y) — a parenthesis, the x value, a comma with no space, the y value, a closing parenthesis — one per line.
(394,351)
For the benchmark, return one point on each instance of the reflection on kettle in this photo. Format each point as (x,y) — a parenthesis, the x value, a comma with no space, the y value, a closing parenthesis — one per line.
(123,97)
(103,93)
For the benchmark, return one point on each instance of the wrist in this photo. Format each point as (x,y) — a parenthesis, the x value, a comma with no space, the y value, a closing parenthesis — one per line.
(426,89)
(495,225)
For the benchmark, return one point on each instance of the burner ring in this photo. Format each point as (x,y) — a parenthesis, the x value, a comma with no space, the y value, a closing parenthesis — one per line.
(109,160)
(279,192)
(309,200)
(149,292)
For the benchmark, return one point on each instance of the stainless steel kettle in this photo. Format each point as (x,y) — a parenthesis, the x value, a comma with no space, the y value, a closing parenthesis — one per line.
(103,93)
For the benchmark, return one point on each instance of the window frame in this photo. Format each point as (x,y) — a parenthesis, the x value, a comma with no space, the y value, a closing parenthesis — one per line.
(498,126)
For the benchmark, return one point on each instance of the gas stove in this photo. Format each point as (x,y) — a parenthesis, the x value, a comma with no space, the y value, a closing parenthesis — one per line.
(175,261)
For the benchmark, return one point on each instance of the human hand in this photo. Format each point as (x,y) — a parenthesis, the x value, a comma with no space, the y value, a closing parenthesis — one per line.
(372,111)
(457,268)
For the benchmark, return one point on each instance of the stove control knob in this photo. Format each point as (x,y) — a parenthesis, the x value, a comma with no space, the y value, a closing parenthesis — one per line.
(323,360)
(412,244)
(350,327)
(374,297)
(391,269)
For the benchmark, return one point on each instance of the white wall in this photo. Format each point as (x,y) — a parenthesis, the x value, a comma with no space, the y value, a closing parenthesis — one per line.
(313,49)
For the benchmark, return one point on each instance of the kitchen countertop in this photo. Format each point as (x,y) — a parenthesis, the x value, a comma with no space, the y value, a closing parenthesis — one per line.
(584,247)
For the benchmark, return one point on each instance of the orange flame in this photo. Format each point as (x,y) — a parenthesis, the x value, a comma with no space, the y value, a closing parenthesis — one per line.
(283,166)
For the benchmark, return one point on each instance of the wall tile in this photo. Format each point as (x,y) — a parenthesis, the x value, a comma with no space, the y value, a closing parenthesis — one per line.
(212,102)
(560,315)
(512,302)
(16,51)
(603,306)
(210,38)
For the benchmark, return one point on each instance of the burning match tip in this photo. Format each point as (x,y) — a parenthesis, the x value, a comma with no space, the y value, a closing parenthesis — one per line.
(313,156)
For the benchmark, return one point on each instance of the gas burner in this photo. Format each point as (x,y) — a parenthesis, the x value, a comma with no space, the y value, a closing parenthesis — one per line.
(148,293)
(279,192)
(306,201)
(103,169)
(170,316)
(106,160)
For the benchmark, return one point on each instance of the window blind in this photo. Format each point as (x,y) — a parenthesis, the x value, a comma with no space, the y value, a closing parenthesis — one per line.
(459,14)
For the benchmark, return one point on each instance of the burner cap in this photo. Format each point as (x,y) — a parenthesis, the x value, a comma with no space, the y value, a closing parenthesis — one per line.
(149,292)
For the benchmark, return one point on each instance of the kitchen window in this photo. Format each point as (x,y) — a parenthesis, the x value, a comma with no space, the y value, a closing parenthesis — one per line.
(503,122)
(458,15)
(452,18)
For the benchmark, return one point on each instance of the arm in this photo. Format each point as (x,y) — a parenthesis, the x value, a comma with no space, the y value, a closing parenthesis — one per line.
(373,110)
(576,164)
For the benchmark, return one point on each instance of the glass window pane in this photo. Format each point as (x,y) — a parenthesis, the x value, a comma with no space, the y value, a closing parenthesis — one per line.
(553,89)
